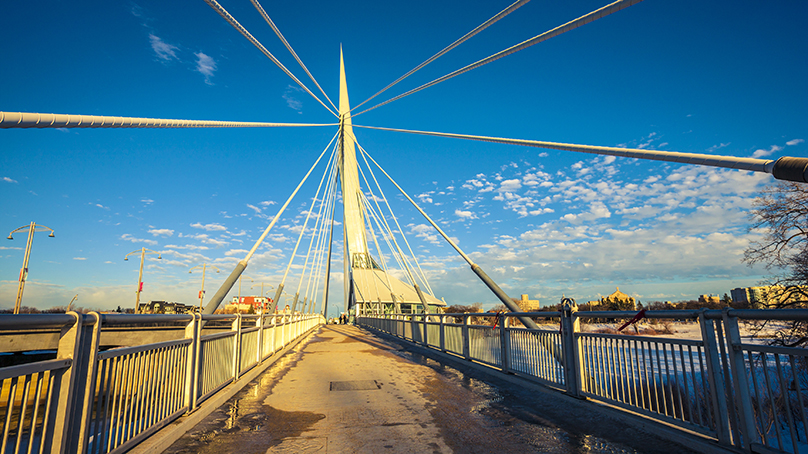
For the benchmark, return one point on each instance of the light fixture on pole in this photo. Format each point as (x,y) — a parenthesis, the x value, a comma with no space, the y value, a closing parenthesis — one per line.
(262,293)
(202,291)
(143,252)
(71,303)
(239,285)
(33,227)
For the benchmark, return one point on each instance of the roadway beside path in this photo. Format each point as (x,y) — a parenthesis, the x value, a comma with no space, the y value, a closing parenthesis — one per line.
(345,390)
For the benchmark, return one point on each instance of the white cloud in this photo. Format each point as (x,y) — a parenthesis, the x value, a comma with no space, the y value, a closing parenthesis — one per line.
(465,214)
(161,232)
(267,203)
(164,51)
(147,201)
(791,143)
(79,258)
(717,147)
(253,207)
(206,66)
(761,152)
(209,227)
(129,237)
(100,206)
(291,100)
(9,180)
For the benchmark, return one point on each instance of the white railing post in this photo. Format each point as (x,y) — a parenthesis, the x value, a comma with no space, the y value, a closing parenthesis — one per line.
(65,388)
(80,431)
(743,399)
(466,340)
(193,368)
(715,379)
(236,347)
(259,349)
(442,319)
(425,322)
(505,344)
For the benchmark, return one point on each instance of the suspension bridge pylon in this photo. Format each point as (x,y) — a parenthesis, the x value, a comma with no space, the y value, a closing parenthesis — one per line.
(368,287)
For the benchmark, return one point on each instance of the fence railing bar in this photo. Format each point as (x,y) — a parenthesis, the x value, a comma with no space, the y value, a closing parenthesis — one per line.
(797,387)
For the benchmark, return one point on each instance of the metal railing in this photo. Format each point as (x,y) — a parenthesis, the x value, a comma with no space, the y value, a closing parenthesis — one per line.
(744,395)
(94,401)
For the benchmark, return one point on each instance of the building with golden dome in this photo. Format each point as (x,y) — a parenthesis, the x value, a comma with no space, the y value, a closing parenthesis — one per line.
(618,301)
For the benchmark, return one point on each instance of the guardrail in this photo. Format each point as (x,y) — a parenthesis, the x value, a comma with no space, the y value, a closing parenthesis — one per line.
(743,395)
(92,401)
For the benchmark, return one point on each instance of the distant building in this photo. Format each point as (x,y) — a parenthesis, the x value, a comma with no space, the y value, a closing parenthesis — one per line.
(710,299)
(248,304)
(765,296)
(618,301)
(527,305)
(164,307)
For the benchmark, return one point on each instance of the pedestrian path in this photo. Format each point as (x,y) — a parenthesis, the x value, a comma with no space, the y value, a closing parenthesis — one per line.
(346,390)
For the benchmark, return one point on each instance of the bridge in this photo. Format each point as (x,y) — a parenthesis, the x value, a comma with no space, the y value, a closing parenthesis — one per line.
(138,382)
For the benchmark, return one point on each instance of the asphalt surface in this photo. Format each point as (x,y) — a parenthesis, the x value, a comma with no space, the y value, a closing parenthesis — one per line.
(345,390)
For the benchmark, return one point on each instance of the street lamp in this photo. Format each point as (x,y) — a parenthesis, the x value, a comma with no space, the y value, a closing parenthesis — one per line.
(33,227)
(239,285)
(140,276)
(71,303)
(202,292)
(262,294)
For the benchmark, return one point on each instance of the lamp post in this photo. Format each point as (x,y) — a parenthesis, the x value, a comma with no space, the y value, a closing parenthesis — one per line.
(335,305)
(33,227)
(71,303)
(202,292)
(239,285)
(262,291)
(140,275)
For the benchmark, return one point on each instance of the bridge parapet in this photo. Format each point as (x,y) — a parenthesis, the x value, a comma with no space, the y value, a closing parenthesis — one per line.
(91,399)
(737,391)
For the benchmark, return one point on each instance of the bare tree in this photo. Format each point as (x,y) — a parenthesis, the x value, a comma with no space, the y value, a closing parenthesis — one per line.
(781,213)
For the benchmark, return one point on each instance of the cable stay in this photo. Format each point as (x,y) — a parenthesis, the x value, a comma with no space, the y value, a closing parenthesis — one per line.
(503,297)
(513,7)
(784,168)
(323,245)
(49,120)
(571,25)
(232,21)
(397,307)
(242,265)
(289,47)
(317,237)
(395,219)
(328,168)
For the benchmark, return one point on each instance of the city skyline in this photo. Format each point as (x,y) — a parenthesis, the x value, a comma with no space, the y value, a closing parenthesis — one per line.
(687,77)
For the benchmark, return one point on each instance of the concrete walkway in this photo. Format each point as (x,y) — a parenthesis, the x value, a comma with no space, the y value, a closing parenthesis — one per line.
(345,390)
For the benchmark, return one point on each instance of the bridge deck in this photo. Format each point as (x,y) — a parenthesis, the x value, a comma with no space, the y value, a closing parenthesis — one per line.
(345,390)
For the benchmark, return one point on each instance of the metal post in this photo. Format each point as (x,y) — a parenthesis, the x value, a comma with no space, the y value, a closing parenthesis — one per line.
(421,297)
(505,344)
(743,399)
(139,279)
(443,333)
(236,326)
(65,387)
(715,380)
(24,270)
(572,368)
(85,383)
(193,331)
(278,293)
(294,303)
(259,322)
(466,341)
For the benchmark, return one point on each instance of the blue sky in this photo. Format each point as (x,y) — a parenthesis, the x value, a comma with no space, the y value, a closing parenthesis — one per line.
(707,77)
